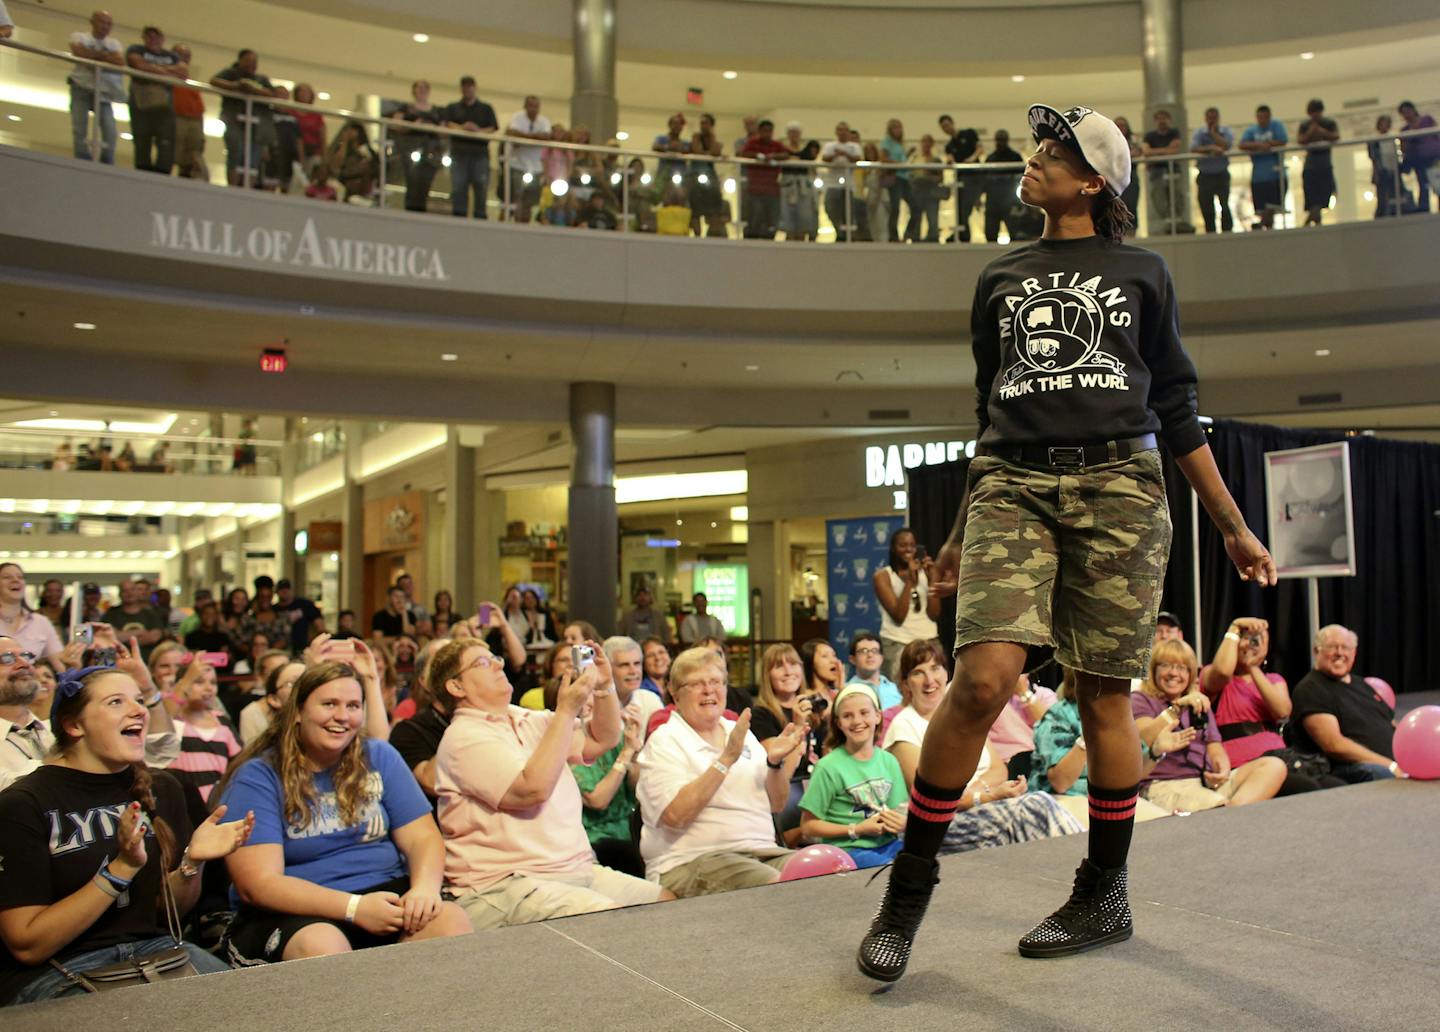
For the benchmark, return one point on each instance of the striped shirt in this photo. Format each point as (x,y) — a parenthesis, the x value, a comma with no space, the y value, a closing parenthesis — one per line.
(204,754)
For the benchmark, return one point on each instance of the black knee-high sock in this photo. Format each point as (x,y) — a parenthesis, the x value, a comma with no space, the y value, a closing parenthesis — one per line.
(1112,822)
(928,818)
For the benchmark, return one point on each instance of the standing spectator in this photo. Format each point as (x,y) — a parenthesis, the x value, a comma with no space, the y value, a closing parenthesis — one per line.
(420,152)
(644,621)
(700,625)
(284,153)
(7,24)
(312,130)
(760,184)
(1339,715)
(839,156)
(525,159)
(353,162)
(406,583)
(1267,170)
(152,115)
(95,45)
(1212,171)
(470,159)
(189,107)
(1131,194)
(1385,172)
(320,188)
(707,200)
(799,212)
(926,190)
(963,148)
(1318,176)
(243,77)
(909,597)
(135,616)
(1168,206)
(892,147)
(1422,154)
(752,125)
(1000,189)
(672,141)
(299,613)
(872,197)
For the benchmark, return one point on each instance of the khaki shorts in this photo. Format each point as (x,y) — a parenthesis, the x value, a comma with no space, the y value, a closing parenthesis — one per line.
(522,898)
(1074,559)
(1078,806)
(1191,794)
(721,872)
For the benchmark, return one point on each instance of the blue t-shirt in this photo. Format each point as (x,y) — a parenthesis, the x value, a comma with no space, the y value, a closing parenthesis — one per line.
(886,692)
(1212,163)
(1265,167)
(895,151)
(1055,735)
(347,859)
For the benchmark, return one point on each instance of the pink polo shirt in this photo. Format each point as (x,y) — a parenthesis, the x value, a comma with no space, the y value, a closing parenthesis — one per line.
(1240,702)
(479,759)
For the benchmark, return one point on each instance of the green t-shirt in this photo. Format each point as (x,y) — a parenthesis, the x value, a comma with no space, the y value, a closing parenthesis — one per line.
(613,822)
(843,790)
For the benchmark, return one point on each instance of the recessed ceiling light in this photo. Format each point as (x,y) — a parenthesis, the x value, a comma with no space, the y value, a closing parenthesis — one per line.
(1322,352)
(421,37)
(449,356)
(54,412)
(15,118)
(322,95)
(622,136)
(1308,55)
(84,325)
(1017,78)
(127,136)
(730,75)
(752,368)
(713,524)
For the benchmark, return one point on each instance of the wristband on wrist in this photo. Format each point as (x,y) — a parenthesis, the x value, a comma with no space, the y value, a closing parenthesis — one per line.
(105,887)
(852,833)
(621,766)
(1232,636)
(723,768)
(118,883)
(352,908)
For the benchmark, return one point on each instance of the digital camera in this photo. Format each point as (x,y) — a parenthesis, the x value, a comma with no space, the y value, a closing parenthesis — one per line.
(582,658)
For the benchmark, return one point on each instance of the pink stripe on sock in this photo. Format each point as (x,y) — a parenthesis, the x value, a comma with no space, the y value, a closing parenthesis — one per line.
(1112,804)
(935,804)
(1112,815)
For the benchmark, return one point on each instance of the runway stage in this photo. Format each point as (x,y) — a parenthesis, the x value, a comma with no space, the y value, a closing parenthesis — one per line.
(1317,912)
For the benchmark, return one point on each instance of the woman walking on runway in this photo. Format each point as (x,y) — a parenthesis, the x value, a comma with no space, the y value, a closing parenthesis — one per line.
(1065,533)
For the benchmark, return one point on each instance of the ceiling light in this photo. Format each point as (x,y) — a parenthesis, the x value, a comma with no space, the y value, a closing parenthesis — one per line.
(84,325)
(15,118)
(730,74)
(127,136)
(52,412)
(622,136)
(752,368)
(740,513)
(1322,352)
(421,37)
(322,95)
(681,485)
(449,356)
(713,524)
(1308,55)
(1017,78)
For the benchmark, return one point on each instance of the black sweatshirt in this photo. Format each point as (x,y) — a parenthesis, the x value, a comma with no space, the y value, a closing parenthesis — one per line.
(1078,342)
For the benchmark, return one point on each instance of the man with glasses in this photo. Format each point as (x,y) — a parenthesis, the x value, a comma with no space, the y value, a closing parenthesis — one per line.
(867,658)
(1340,716)
(24,737)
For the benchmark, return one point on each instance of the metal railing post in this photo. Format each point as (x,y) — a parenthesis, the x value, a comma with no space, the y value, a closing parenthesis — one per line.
(625,200)
(384,161)
(95,142)
(247,139)
(849,204)
(502,151)
(1394,145)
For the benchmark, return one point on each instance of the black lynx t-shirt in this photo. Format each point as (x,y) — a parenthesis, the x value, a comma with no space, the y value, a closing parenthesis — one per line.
(57,826)
(1078,342)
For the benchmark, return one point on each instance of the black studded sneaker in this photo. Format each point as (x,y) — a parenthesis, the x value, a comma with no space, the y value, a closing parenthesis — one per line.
(885,950)
(1097,914)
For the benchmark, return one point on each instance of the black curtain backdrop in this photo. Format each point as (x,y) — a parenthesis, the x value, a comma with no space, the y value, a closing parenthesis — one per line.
(1395,486)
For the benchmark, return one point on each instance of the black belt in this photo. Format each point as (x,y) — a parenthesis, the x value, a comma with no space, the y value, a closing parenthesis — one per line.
(1245,728)
(1075,456)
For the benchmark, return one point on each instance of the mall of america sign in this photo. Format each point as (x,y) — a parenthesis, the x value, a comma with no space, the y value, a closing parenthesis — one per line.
(307,249)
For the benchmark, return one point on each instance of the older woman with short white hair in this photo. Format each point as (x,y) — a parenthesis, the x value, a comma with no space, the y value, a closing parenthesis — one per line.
(708,788)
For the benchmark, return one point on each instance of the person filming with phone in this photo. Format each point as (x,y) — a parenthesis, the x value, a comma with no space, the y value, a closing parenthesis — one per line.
(909,598)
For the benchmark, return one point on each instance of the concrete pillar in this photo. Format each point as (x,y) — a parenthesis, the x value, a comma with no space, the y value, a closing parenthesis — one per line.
(1163,59)
(285,547)
(592,99)
(594,523)
(207,559)
(352,551)
(767,553)
(459,573)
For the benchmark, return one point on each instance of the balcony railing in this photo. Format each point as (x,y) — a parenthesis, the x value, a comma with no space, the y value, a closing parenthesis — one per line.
(107,452)
(648,191)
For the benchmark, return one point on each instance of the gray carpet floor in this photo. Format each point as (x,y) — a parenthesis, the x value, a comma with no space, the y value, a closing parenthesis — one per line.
(1316,912)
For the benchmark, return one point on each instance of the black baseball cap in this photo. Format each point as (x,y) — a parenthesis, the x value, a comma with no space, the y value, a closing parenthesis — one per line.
(283,582)
(1167,618)
(91,588)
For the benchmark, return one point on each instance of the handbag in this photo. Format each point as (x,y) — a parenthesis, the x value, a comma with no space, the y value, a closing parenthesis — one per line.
(1302,763)
(159,966)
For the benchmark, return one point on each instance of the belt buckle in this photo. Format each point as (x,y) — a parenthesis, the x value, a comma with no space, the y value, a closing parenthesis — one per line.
(1067,458)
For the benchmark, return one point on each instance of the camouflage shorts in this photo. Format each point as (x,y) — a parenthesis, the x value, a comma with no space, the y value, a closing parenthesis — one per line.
(1075,560)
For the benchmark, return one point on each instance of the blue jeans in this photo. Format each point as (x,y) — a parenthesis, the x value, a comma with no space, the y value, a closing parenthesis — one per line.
(469,173)
(82,103)
(1358,773)
(51,984)
(234,154)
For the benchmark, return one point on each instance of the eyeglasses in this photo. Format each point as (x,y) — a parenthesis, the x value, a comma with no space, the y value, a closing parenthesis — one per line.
(484,661)
(1163,667)
(718,683)
(867,650)
(11,658)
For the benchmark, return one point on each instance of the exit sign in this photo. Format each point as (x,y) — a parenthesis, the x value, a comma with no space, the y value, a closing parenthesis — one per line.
(695,95)
(273,360)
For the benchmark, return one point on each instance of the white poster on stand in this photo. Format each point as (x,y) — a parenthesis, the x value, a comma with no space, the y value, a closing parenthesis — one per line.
(1311,521)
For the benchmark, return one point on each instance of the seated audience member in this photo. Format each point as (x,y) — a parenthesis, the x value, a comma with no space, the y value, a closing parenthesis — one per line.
(256,669)
(417,737)
(856,798)
(578,632)
(627,664)
(657,667)
(345,853)
(607,790)
(1058,761)
(355,654)
(867,657)
(1013,733)
(345,625)
(34,632)
(209,635)
(1249,701)
(97,901)
(779,704)
(206,742)
(557,664)
(515,846)
(24,737)
(1199,777)
(352,161)
(394,620)
(708,788)
(162,741)
(44,697)
(995,810)
(824,673)
(1338,715)
(257,716)
(737,699)
(165,664)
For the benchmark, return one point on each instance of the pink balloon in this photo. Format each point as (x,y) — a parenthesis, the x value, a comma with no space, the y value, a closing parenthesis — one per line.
(1382,689)
(813,861)
(1417,743)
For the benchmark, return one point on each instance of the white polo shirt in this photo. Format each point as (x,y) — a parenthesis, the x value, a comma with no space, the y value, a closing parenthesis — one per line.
(737,816)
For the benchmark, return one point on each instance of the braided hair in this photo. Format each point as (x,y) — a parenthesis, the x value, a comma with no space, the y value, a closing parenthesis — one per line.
(1112,216)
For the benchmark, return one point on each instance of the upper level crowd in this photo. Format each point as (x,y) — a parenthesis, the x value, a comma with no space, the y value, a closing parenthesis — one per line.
(550,177)
(450,772)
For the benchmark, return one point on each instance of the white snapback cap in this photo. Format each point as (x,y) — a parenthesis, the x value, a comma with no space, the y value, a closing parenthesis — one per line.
(1097,139)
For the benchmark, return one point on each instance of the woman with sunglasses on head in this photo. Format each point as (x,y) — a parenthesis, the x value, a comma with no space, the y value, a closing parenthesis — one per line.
(345,853)
(88,838)
(1064,533)
(909,598)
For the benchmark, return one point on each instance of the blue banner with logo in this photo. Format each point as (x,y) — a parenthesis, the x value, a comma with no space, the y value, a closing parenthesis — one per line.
(854,550)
